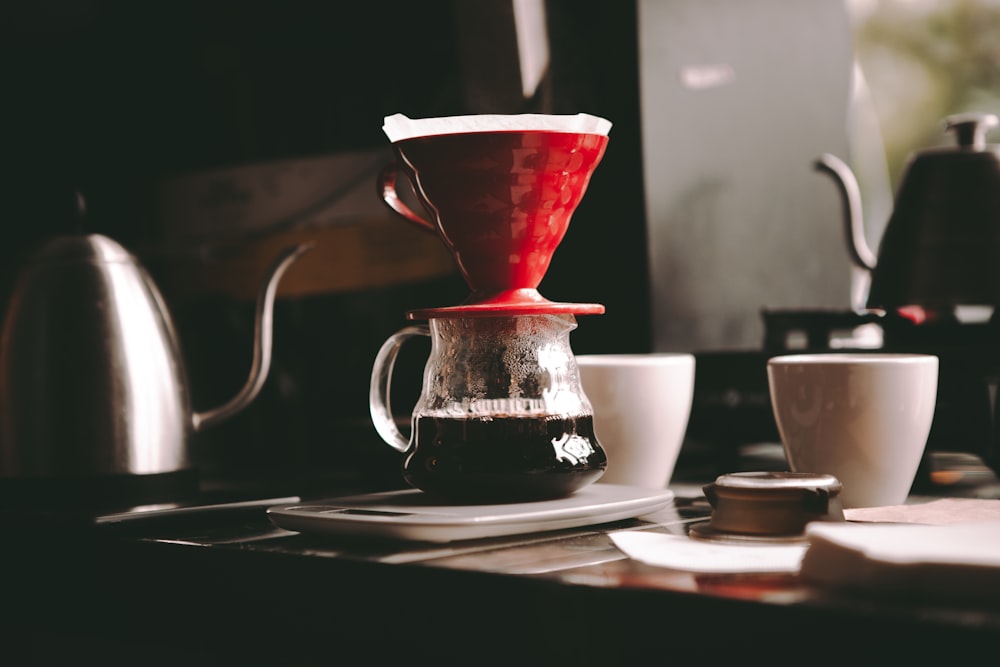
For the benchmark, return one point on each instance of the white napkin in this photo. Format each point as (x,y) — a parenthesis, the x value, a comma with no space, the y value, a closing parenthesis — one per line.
(940,511)
(959,560)
(398,127)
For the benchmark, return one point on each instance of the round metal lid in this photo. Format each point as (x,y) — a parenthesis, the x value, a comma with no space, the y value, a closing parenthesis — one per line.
(778,482)
(83,248)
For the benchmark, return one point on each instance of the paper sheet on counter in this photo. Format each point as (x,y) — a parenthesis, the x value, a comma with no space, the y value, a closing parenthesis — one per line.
(683,553)
(943,548)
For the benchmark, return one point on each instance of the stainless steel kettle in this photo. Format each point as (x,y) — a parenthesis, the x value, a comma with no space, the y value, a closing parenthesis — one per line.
(941,246)
(92,383)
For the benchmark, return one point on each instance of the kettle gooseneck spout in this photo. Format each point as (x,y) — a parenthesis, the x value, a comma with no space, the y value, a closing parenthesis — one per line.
(850,194)
(262,347)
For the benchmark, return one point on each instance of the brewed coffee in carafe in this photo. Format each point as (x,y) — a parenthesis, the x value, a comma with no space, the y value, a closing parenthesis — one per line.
(502,416)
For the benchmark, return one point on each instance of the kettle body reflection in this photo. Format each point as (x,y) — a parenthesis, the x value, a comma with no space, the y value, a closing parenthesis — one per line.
(501,414)
(92,384)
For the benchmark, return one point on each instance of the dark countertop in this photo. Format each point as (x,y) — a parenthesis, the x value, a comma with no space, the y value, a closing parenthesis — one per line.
(231,588)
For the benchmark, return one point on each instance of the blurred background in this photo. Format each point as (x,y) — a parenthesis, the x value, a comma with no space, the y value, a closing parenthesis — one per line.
(207,136)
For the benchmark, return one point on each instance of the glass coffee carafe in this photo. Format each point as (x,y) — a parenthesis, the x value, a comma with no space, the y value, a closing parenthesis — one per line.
(501,415)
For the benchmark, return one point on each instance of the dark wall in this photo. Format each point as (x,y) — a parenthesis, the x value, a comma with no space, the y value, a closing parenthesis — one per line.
(109,96)
(595,69)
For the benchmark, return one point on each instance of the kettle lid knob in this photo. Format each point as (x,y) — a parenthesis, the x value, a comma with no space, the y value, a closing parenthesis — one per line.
(970,128)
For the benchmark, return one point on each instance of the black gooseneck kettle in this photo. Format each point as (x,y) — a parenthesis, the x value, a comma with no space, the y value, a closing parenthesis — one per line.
(941,246)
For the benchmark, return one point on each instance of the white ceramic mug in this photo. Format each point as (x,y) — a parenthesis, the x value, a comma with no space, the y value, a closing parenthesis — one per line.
(862,417)
(641,405)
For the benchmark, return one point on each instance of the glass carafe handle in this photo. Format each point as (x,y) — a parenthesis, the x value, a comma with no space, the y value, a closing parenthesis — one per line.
(378,394)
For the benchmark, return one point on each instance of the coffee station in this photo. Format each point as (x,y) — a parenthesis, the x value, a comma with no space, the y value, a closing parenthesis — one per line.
(290,375)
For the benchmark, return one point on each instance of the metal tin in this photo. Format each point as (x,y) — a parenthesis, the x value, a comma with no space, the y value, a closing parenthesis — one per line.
(769,505)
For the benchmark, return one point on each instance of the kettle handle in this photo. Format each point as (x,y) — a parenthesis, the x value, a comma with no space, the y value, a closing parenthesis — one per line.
(378,395)
(263,336)
(850,194)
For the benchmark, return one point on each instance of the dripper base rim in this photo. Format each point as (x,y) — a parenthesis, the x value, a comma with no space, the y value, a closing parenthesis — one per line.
(506,310)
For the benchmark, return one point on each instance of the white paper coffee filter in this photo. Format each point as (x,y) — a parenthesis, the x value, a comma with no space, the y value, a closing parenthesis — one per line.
(398,127)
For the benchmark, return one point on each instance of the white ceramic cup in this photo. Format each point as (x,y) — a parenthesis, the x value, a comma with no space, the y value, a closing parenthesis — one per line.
(861,417)
(641,405)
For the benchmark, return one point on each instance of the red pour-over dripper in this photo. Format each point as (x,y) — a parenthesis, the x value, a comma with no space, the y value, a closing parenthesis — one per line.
(501,199)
